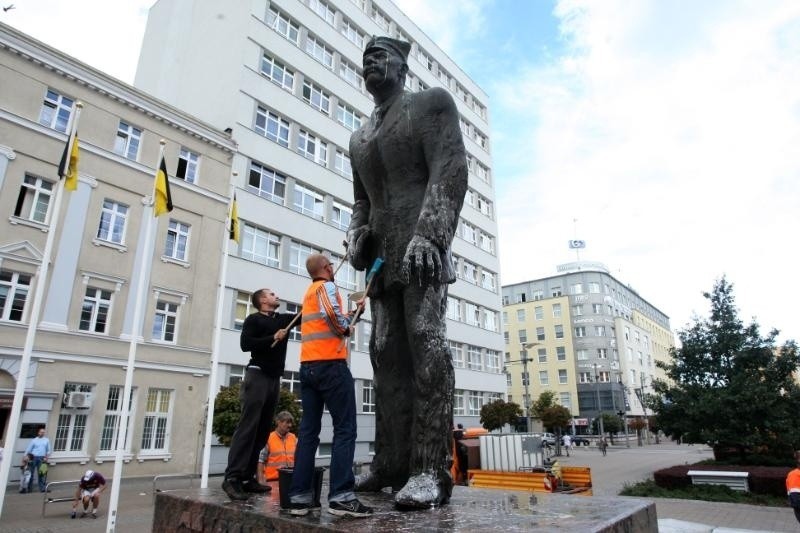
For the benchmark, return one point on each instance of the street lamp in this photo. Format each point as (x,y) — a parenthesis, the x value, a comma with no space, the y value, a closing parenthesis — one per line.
(526,382)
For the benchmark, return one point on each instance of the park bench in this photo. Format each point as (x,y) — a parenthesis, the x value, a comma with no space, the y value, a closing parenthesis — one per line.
(734,480)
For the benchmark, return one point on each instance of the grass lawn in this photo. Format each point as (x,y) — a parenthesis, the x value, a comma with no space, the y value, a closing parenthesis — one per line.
(709,493)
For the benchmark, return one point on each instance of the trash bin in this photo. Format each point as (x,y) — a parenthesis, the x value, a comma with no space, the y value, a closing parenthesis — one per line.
(285,483)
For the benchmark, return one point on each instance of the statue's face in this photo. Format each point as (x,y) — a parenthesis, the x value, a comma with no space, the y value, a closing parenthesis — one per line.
(382,68)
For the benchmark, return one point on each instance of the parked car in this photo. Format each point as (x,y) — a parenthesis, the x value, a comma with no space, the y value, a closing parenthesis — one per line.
(548,439)
(577,440)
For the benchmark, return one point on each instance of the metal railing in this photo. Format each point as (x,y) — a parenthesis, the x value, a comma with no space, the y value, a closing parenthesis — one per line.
(55,484)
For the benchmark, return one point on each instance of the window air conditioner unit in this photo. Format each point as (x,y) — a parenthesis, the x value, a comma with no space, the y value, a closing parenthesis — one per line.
(79,399)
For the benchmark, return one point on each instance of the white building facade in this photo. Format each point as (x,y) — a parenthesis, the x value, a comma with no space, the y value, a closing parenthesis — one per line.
(285,77)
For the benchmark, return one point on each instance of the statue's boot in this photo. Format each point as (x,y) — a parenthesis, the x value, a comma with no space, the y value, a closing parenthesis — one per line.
(425,490)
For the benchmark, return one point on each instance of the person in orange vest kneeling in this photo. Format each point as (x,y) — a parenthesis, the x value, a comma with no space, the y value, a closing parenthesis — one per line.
(279,451)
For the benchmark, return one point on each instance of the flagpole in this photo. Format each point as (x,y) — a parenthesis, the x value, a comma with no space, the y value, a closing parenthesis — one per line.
(212,378)
(33,321)
(122,427)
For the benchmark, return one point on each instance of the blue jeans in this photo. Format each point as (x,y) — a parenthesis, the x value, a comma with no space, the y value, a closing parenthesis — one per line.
(34,466)
(326,384)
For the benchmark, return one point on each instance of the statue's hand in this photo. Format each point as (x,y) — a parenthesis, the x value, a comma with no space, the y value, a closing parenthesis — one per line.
(423,259)
(357,239)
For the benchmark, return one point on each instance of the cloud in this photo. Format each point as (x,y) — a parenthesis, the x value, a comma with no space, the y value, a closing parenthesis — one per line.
(669,133)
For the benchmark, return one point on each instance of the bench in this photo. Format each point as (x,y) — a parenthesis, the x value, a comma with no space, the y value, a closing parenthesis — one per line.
(579,480)
(56,485)
(734,480)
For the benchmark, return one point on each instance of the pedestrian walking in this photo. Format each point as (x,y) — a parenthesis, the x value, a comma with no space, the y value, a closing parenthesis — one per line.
(602,444)
(39,447)
(567,442)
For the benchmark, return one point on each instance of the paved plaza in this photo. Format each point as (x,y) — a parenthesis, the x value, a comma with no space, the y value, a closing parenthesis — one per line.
(23,512)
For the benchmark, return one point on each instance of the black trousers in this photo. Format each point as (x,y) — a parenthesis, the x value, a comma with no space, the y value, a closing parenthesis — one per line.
(259,397)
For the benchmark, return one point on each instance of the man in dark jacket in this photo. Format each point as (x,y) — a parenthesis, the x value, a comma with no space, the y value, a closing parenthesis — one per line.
(409,182)
(259,392)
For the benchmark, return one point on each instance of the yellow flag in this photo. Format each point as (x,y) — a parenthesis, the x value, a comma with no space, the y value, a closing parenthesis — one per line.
(163,196)
(234,229)
(68,168)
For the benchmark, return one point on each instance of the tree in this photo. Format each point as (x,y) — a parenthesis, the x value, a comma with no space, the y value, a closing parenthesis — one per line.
(498,413)
(730,386)
(228,410)
(611,424)
(545,400)
(555,418)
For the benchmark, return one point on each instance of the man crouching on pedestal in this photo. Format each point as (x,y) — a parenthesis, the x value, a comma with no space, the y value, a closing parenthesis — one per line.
(409,182)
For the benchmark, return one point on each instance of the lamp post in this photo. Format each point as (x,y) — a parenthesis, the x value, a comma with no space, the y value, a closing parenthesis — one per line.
(597,395)
(526,379)
(644,410)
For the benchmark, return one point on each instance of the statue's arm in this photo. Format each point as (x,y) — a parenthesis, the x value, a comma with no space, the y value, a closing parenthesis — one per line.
(443,146)
(358,232)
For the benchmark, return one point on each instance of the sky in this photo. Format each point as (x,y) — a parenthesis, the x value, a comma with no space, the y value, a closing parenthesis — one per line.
(663,133)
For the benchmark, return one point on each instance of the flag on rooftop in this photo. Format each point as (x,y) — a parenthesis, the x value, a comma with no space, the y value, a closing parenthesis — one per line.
(68,168)
(163,196)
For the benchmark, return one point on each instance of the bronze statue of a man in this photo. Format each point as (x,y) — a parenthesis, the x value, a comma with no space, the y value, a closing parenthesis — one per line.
(409,182)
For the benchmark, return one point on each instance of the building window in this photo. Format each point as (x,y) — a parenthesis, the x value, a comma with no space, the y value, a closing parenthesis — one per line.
(33,202)
(584,377)
(523,335)
(283,25)
(556,310)
(597,309)
(542,354)
(298,253)
(562,376)
(457,354)
(544,379)
(603,377)
(367,396)
(538,312)
(112,222)
(108,435)
(316,97)
(539,334)
(475,403)
(188,163)
(493,361)
(312,148)
(277,72)
(458,402)
(340,215)
(602,353)
(565,399)
(56,110)
(95,310)
(470,273)
(260,246)
(165,321)
(576,288)
(323,10)
(71,426)
(350,73)
(559,329)
(352,33)
(348,118)
(236,374)
(267,183)
(580,331)
(468,232)
(244,308)
(294,333)
(582,355)
(600,331)
(472,314)
(380,19)
(341,164)
(155,437)
(561,353)
(577,310)
(127,141)
(474,359)
(487,242)
(177,240)
(346,278)
(594,287)
(317,49)
(272,126)
(14,289)
(505,336)
(520,315)
(308,202)
(453,309)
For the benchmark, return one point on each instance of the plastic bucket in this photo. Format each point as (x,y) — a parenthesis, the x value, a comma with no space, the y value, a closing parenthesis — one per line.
(285,483)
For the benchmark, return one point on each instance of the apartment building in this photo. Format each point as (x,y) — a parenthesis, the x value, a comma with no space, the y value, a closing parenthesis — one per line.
(285,77)
(81,348)
(586,336)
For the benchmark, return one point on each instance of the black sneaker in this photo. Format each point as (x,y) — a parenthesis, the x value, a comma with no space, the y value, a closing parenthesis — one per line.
(350,508)
(299,509)
(233,488)
(254,487)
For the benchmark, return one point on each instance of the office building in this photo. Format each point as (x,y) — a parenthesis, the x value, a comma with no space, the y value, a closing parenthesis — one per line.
(586,336)
(285,77)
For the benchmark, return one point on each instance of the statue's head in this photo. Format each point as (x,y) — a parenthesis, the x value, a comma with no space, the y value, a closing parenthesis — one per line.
(384,63)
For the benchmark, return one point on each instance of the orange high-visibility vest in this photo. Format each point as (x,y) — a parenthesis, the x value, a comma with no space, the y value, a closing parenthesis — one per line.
(319,341)
(793,481)
(280,454)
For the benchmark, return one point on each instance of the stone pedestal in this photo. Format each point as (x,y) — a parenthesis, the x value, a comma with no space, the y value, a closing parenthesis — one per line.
(210,510)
